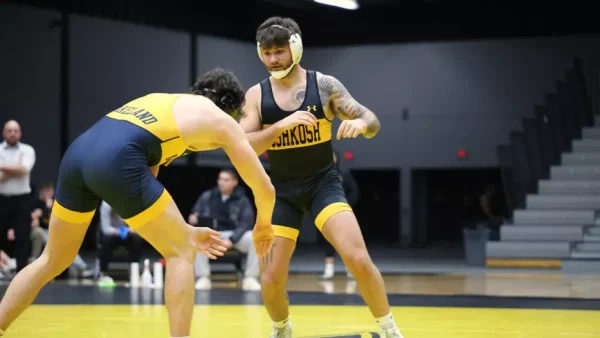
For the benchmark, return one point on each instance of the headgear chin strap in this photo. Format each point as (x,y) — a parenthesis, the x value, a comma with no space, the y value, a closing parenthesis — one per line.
(226,102)
(295,48)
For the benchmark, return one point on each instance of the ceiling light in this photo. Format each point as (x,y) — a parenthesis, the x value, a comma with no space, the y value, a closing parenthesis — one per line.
(346,4)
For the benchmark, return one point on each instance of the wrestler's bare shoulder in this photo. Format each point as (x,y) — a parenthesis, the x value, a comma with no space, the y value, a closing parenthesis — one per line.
(199,121)
(254,91)
(253,96)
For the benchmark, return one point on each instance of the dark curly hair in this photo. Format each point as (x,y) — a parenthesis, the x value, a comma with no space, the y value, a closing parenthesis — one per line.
(270,34)
(222,88)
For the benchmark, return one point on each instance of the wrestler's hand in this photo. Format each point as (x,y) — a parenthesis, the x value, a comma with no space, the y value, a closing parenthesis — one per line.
(298,118)
(351,128)
(207,242)
(263,238)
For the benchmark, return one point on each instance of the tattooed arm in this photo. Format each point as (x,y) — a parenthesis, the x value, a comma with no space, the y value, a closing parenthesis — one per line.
(337,98)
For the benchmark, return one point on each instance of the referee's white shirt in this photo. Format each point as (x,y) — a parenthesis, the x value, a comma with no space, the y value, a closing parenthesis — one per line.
(22,154)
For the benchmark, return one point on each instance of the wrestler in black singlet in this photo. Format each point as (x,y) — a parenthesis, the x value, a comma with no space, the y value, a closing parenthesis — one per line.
(301,164)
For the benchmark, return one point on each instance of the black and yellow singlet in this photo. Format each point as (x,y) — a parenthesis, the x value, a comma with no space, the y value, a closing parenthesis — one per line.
(302,151)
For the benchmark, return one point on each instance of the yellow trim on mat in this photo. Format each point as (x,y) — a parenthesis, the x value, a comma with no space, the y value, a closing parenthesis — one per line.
(524,263)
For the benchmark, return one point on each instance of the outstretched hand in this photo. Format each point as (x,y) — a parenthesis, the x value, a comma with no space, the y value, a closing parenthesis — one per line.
(263,238)
(207,242)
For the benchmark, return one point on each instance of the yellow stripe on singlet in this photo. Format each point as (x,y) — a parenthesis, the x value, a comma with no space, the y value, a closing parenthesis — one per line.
(286,232)
(71,216)
(302,136)
(152,212)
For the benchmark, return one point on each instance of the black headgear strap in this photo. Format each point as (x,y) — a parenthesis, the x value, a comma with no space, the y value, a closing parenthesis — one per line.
(227,102)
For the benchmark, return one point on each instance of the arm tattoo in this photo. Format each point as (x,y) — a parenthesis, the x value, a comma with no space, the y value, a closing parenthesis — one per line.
(334,95)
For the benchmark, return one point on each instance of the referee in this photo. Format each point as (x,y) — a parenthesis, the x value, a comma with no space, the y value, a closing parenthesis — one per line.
(16,161)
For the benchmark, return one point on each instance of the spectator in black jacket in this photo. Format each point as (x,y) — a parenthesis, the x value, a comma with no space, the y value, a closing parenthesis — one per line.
(235,216)
(352,192)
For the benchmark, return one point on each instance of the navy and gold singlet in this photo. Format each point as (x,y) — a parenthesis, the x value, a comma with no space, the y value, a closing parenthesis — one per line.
(111,161)
(154,113)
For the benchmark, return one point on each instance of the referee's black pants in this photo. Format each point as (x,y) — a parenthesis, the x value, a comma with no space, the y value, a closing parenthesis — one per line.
(15,213)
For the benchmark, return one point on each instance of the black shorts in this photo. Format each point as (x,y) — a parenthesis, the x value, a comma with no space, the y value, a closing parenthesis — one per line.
(321,195)
(110,162)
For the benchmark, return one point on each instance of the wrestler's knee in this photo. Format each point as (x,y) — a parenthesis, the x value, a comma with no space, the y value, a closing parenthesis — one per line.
(55,261)
(181,249)
(358,262)
(188,253)
(273,280)
(172,241)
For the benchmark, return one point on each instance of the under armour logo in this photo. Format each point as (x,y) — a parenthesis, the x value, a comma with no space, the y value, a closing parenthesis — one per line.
(313,108)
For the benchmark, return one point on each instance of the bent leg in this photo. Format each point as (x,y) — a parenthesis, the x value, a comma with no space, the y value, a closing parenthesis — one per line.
(343,232)
(274,275)
(130,188)
(335,219)
(64,241)
(163,226)
(71,215)
(275,266)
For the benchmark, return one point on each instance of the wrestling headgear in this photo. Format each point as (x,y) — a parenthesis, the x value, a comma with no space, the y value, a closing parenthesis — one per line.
(227,102)
(295,48)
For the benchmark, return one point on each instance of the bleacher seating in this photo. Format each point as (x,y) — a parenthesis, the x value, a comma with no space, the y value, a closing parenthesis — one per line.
(551,173)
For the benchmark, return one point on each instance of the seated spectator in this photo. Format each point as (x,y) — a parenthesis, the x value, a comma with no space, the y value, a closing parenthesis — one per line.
(40,219)
(114,232)
(235,220)
(7,266)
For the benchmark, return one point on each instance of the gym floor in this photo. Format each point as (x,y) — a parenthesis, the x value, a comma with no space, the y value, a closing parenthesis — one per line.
(424,306)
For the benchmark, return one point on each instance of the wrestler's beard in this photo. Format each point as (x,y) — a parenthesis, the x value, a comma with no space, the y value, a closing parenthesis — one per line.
(280,67)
